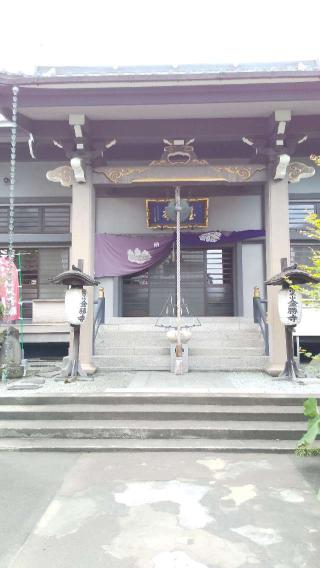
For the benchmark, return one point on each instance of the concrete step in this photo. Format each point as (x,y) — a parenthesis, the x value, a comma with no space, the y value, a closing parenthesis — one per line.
(122,421)
(201,350)
(202,335)
(232,324)
(130,351)
(124,397)
(148,445)
(226,429)
(244,362)
(164,346)
(150,412)
(132,324)
(196,362)
(227,351)
(132,362)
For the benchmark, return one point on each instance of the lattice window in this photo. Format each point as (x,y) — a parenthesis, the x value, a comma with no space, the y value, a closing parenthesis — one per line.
(37,219)
(299,210)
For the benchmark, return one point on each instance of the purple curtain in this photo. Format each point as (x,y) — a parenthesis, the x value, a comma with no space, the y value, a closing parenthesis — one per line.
(212,239)
(121,255)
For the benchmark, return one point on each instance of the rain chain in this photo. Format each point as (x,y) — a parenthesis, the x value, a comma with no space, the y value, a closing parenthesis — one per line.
(11,252)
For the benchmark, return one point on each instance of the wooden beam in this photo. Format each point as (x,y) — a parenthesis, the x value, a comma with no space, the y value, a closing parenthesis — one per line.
(153,131)
(230,150)
(52,130)
(157,129)
(30,97)
(139,131)
(43,153)
(306,124)
(165,191)
(23,121)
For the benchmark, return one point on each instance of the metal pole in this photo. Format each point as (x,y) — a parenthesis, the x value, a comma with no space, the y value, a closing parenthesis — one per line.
(178,366)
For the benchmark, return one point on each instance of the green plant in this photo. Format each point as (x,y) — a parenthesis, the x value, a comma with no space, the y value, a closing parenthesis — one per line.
(311,292)
(311,411)
(1,310)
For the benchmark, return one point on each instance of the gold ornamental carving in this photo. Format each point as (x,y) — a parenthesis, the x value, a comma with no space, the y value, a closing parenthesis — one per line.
(179,164)
(116,175)
(298,170)
(243,172)
(63,175)
(194,171)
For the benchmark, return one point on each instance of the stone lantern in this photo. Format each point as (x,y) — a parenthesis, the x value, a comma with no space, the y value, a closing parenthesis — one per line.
(76,309)
(290,310)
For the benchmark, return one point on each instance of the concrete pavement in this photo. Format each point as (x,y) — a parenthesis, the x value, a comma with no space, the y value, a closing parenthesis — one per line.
(159,511)
(164,381)
(27,486)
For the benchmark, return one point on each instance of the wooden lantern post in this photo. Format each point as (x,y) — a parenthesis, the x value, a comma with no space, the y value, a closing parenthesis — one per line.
(76,307)
(290,308)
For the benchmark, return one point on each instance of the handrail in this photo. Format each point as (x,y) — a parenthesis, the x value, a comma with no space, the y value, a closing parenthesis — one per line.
(260,317)
(99,312)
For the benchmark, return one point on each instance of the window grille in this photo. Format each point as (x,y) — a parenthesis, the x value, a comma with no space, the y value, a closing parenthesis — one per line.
(37,219)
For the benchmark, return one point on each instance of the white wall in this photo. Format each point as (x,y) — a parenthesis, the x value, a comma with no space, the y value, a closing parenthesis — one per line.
(111,294)
(252,274)
(235,213)
(227,212)
(31,180)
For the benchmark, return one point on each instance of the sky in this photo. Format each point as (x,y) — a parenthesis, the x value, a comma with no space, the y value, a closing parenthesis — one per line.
(146,32)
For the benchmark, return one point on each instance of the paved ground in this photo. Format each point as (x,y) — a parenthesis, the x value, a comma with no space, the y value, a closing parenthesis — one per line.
(159,511)
(162,381)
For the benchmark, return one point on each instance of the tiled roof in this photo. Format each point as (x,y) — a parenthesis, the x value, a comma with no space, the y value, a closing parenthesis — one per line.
(186,69)
(47,75)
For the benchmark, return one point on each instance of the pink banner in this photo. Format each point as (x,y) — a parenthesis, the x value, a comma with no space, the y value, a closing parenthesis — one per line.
(5,267)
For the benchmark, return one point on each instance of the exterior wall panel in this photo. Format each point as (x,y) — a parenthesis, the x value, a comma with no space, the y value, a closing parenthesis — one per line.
(253,274)
(227,212)
(31,180)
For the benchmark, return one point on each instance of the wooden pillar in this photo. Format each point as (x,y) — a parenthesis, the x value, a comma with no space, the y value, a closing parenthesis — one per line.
(277,247)
(82,247)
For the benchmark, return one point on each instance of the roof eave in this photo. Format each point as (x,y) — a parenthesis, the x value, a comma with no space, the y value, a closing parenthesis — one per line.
(63,80)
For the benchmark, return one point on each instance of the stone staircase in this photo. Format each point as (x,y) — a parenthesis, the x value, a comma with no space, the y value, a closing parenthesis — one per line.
(151,422)
(219,344)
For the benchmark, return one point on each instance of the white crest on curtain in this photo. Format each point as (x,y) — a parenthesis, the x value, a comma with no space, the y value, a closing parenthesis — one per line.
(211,237)
(138,256)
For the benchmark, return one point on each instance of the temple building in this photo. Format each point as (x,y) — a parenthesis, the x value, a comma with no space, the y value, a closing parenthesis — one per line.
(100,153)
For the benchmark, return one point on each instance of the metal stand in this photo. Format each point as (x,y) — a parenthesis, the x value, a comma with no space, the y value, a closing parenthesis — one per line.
(291,371)
(184,356)
(72,368)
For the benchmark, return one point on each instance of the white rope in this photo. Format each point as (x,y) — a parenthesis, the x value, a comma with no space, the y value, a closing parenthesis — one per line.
(11,252)
(178,367)
(178,247)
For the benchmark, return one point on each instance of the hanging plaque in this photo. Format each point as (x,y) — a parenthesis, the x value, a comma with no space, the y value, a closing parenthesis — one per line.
(157,217)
